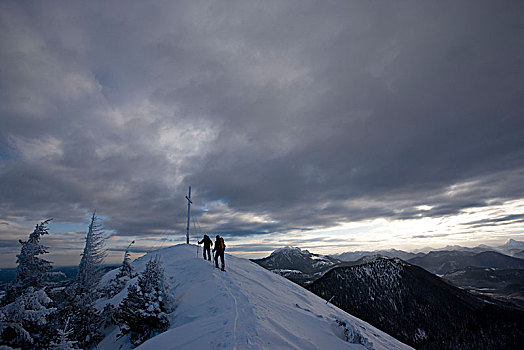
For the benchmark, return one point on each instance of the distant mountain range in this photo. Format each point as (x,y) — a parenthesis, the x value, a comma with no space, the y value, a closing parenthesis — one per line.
(443,262)
(511,248)
(418,307)
(390,253)
(303,266)
(485,270)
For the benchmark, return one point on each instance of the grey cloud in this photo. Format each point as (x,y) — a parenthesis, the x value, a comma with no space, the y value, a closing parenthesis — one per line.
(433,235)
(498,221)
(294,111)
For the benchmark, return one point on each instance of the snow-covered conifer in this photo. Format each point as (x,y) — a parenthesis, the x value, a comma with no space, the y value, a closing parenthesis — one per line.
(13,334)
(25,312)
(109,315)
(24,322)
(89,270)
(32,271)
(143,313)
(126,269)
(86,320)
(125,273)
(63,342)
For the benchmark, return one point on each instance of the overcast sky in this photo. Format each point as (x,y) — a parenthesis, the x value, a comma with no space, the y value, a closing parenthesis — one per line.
(329,125)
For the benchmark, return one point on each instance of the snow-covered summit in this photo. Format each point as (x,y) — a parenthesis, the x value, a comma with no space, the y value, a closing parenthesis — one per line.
(294,258)
(511,243)
(290,250)
(246,307)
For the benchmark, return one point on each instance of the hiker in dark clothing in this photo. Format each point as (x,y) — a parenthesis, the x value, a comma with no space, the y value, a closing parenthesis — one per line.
(219,251)
(207,246)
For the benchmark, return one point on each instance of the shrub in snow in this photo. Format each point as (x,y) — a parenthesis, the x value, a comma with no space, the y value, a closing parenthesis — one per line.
(346,332)
(143,313)
(115,286)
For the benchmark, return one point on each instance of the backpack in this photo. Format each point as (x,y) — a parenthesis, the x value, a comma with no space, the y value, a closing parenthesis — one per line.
(222,244)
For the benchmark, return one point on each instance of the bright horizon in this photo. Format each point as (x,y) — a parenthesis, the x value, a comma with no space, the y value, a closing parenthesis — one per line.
(252,247)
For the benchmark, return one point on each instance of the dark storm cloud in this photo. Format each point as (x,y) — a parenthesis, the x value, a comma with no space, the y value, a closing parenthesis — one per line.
(294,115)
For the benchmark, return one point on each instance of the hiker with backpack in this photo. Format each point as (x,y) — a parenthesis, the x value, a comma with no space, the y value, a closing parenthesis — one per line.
(207,246)
(219,249)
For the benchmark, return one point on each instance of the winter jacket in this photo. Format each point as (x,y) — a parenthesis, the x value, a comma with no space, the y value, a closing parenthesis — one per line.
(207,242)
(218,246)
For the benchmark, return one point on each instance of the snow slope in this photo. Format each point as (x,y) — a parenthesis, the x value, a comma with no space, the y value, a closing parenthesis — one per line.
(246,307)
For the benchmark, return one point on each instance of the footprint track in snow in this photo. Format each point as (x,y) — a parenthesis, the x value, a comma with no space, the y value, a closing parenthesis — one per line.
(235,303)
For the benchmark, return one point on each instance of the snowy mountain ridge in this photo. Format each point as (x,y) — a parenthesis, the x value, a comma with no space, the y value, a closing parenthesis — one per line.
(246,307)
(356,255)
(512,247)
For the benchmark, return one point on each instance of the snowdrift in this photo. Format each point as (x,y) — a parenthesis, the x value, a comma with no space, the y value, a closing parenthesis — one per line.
(246,307)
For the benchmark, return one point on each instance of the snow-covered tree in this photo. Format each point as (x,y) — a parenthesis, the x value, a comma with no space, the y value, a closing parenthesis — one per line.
(143,313)
(126,269)
(86,320)
(90,268)
(109,314)
(63,342)
(13,334)
(32,271)
(26,308)
(24,323)
(125,273)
